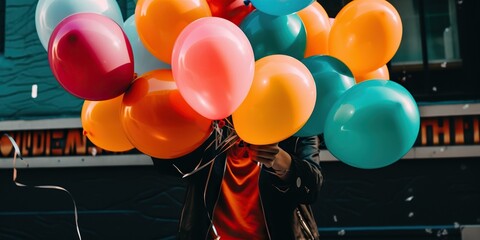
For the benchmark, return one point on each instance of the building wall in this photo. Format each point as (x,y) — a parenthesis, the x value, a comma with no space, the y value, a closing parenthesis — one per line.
(24,63)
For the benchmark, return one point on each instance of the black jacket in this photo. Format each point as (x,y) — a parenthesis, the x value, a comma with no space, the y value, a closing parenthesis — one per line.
(279,199)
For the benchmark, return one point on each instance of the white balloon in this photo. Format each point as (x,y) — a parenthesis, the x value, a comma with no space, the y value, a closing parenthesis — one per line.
(144,60)
(49,13)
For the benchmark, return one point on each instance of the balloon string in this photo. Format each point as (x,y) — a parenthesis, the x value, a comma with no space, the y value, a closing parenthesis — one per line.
(15,174)
(221,144)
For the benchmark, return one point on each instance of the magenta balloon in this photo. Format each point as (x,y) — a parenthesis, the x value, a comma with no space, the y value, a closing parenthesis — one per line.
(91,57)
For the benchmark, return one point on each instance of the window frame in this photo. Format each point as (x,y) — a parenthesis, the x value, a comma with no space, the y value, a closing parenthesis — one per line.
(436,81)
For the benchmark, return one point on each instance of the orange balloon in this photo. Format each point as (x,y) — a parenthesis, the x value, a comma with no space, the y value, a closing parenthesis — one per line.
(159,22)
(381,73)
(365,35)
(158,121)
(317,25)
(279,103)
(102,126)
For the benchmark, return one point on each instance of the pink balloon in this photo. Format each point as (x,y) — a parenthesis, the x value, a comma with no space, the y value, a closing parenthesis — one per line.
(213,65)
(91,57)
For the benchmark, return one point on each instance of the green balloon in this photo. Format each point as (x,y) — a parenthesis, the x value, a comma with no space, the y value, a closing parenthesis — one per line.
(270,35)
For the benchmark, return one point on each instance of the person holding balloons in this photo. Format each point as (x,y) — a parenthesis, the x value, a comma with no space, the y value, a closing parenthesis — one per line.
(238,190)
(251,178)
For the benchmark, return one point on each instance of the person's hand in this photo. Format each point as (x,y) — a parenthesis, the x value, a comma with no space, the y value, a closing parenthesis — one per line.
(265,154)
(272,156)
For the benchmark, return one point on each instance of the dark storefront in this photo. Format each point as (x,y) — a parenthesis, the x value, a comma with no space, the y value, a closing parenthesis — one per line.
(432,193)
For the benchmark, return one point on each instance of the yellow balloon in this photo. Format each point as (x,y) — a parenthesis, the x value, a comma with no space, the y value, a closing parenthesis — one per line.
(317,25)
(365,35)
(102,125)
(159,22)
(280,101)
(381,73)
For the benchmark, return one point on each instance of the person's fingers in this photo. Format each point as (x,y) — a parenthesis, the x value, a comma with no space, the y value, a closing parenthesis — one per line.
(272,149)
(265,154)
(265,161)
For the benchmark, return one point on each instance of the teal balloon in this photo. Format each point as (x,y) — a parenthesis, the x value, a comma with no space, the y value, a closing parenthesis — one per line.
(144,60)
(280,7)
(332,78)
(374,124)
(49,13)
(270,35)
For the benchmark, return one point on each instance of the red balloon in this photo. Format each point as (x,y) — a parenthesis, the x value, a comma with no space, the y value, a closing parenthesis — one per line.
(233,10)
(91,57)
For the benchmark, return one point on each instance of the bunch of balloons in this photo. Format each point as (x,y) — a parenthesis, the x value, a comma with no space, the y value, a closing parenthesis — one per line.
(280,68)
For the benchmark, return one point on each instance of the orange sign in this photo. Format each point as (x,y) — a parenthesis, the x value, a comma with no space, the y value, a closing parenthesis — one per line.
(62,142)
(457,130)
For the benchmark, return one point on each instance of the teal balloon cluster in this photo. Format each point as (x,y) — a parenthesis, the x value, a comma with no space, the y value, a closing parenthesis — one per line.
(270,35)
(374,124)
(280,7)
(332,78)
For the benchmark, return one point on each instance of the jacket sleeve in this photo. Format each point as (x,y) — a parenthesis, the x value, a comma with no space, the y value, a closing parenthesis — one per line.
(305,176)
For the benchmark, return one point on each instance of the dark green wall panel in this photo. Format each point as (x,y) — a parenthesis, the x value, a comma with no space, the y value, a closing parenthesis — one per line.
(25,63)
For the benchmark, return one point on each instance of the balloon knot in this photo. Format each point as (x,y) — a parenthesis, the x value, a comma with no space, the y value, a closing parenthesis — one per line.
(85,132)
(221,123)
